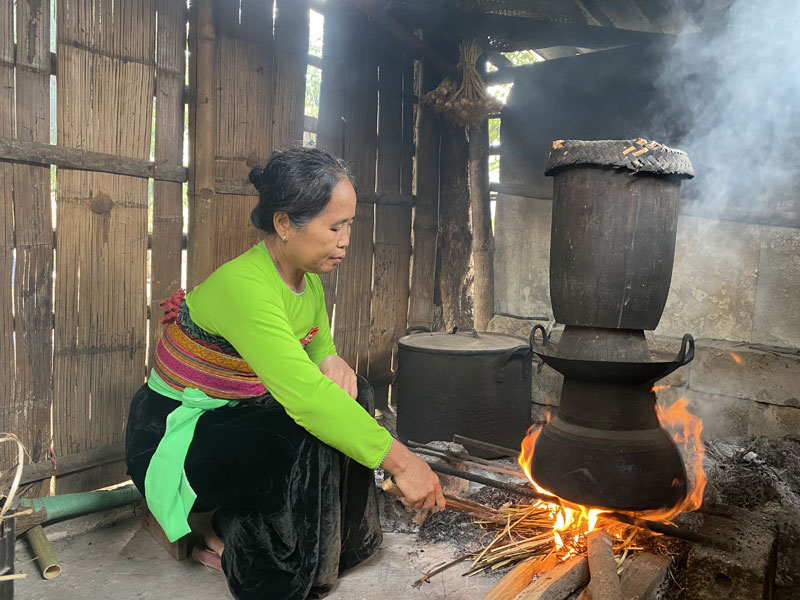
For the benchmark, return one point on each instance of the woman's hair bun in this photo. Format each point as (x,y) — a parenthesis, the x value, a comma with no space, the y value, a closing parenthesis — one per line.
(255,176)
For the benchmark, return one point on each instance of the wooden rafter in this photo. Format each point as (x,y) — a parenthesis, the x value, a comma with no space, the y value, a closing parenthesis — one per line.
(415,44)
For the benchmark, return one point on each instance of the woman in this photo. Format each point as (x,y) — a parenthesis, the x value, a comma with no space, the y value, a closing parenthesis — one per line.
(249,412)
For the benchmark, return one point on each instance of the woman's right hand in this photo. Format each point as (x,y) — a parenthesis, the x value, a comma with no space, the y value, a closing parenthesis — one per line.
(417,482)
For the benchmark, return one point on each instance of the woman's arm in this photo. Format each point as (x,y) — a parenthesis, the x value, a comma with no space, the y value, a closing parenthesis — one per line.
(419,485)
(340,373)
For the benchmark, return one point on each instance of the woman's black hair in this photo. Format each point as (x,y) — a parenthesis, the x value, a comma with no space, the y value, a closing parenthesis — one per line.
(299,182)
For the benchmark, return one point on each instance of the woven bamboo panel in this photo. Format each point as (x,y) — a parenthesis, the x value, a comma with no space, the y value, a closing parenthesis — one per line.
(392,226)
(243,75)
(289,72)
(106,77)
(8,416)
(165,256)
(354,282)
(33,234)
(330,127)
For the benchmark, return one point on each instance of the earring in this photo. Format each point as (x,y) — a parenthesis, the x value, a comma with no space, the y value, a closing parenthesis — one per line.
(285,239)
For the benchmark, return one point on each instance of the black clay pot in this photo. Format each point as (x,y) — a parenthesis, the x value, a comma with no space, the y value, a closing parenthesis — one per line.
(612,246)
(463,383)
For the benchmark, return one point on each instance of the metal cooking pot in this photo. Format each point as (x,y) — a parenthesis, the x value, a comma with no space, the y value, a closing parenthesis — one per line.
(465,383)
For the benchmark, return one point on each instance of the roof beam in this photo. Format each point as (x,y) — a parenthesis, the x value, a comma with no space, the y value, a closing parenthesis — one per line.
(412,42)
(536,32)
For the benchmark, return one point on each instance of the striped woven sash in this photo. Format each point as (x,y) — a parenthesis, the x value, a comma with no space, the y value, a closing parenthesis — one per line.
(188,357)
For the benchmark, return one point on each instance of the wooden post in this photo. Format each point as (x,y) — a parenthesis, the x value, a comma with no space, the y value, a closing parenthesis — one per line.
(482,236)
(426,212)
(166,252)
(455,240)
(202,128)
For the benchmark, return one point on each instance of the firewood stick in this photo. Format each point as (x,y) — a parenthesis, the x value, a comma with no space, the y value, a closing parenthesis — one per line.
(604,583)
(456,504)
(518,578)
(559,582)
(473,443)
(463,458)
(642,574)
(654,526)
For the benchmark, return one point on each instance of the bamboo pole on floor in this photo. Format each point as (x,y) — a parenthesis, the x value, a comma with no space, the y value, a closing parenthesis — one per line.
(43,551)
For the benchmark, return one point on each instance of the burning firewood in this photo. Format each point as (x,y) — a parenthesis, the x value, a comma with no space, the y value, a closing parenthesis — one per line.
(558,582)
(642,574)
(604,583)
(518,578)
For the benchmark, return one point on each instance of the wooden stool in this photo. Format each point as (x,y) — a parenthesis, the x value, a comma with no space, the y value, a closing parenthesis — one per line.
(179,549)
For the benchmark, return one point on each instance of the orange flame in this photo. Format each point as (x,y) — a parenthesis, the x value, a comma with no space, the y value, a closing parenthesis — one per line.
(686,430)
(736,358)
(574,521)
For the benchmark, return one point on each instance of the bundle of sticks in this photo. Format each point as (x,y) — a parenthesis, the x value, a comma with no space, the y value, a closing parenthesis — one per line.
(524,540)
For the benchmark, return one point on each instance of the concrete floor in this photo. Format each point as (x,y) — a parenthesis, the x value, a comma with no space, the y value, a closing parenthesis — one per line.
(109,555)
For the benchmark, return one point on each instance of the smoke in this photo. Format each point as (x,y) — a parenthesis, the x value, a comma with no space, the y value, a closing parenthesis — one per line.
(735,90)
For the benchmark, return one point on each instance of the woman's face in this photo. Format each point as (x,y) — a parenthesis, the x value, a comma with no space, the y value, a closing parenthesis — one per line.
(321,245)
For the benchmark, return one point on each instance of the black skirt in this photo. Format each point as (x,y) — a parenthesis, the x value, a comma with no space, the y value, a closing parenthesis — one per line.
(293,512)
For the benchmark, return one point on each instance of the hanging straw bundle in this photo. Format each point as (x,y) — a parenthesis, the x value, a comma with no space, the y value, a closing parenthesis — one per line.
(467,104)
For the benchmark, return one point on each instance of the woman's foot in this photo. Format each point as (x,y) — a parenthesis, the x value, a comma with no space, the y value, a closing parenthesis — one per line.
(206,557)
(213,541)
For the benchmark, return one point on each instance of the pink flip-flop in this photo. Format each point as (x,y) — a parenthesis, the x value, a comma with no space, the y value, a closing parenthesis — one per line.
(207,557)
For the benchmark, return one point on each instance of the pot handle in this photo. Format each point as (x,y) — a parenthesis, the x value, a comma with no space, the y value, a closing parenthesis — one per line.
(685,357)
(473,330)
(522,351)
(417,328)
(545,337)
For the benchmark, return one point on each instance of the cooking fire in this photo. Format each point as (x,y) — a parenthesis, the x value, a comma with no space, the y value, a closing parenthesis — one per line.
(611,473)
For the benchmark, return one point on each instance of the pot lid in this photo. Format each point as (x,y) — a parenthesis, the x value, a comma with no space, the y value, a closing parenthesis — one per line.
(461,342)
(638,155)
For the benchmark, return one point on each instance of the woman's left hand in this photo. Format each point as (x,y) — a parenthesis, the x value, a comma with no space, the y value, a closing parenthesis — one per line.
(340,373)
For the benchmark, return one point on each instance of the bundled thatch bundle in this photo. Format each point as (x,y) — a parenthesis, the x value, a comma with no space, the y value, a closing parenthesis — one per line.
(467,104)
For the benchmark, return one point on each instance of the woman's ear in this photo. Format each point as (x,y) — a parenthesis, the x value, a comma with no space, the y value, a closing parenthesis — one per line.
(282,224)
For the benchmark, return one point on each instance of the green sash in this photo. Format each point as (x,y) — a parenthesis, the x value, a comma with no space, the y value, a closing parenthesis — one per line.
(167,490)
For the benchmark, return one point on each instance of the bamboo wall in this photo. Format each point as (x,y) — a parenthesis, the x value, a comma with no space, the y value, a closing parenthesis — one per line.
(74,306)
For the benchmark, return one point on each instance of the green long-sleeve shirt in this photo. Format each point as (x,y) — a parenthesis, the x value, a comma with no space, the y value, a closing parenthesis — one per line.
(246,302)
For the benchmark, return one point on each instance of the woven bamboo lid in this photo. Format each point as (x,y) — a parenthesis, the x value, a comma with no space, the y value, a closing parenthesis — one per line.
(638,155)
